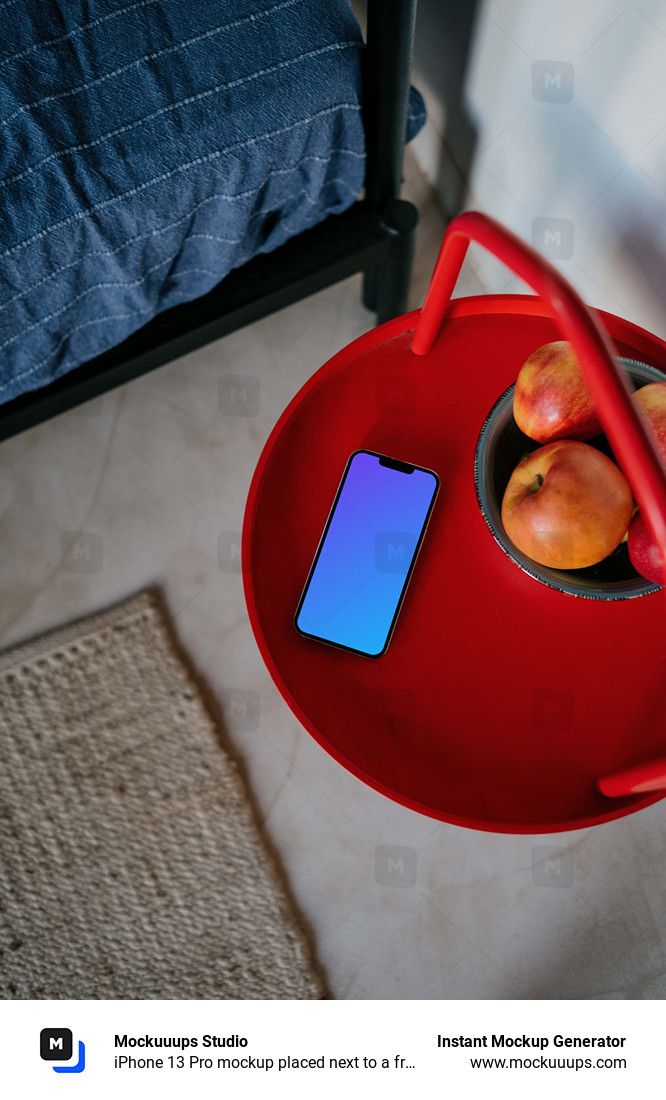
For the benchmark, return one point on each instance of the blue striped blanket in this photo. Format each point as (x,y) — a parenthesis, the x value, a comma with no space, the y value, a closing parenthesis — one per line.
(147,147)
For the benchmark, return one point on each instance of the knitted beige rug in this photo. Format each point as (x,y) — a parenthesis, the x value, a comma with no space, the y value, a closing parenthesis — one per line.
(130,866)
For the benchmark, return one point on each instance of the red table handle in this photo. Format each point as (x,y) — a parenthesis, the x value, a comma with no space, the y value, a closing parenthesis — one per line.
(639,780)
(619,416)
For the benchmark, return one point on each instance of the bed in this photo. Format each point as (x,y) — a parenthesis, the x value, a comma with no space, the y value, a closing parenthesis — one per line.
(169,171)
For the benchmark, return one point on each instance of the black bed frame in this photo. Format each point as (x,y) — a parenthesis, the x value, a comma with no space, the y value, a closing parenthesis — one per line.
(375,236)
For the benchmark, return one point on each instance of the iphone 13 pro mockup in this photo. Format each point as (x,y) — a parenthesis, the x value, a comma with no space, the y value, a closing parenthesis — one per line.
(366,554)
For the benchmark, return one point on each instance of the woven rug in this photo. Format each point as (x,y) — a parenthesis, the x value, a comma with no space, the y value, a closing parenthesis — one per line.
(130,866)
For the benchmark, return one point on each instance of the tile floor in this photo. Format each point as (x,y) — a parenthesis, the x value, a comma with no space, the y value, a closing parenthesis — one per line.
(152,480)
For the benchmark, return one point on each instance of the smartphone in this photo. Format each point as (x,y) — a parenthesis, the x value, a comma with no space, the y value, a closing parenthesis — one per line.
(366,554)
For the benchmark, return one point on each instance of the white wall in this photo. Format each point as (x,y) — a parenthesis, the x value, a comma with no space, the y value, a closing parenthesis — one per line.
(563,113)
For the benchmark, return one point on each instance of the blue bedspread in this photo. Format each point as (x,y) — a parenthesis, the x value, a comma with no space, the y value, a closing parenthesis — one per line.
(147,147)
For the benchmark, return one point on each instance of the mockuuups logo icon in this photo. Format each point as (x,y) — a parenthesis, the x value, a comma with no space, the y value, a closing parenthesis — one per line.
(56,1045)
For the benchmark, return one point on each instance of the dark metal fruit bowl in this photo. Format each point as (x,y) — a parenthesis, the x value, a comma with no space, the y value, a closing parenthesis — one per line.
(500,448)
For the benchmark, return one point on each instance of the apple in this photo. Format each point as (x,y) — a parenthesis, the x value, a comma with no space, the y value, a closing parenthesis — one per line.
(651,400)
(567,505)
(646,556)
(551,399)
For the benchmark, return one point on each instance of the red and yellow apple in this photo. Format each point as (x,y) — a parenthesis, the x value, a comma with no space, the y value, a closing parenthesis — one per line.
(551,399)
(567,505)
(651,400)
(646,556)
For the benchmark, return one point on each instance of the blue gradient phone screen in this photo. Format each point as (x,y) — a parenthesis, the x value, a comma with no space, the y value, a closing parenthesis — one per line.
(363,565)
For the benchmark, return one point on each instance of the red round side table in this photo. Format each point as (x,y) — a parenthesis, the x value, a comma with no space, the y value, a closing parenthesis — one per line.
(501,703)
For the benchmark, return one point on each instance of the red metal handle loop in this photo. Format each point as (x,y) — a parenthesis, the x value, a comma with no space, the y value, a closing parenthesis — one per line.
(619,416)
(639,780)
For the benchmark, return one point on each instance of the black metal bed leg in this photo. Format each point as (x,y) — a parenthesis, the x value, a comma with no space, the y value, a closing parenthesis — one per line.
(390,35)
(393,281)
(385,288)
(370,290)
